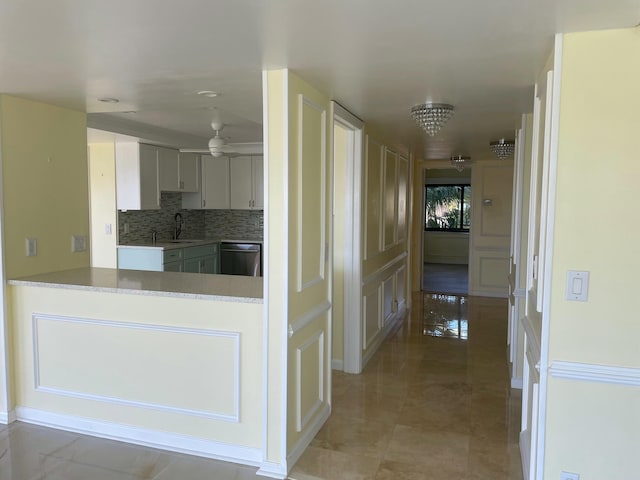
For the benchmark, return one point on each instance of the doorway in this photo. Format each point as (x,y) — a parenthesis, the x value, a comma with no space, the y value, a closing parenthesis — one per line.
(347,275)
(446,219)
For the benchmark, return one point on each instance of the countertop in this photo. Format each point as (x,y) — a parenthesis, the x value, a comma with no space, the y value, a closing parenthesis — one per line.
(225,288)
(172,244)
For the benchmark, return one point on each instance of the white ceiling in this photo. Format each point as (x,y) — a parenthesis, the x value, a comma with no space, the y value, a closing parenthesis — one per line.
(376,58)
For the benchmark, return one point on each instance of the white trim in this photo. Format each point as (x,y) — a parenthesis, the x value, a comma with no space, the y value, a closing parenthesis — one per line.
(301,283)
(308,317)
(337,364)
(379,274)
(532,341)
(302,421)
(306,438)
(381,335)
(8,417)
(550,220)
(520,293)
(590,372)
(353,244)
(5,358)
(234,417)
(142,436)
(525,452)
(272,470)
(516,382)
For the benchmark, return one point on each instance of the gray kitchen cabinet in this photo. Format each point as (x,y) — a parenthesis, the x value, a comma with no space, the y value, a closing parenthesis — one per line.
(136,176)
(177,172)
(189,172)
(168,169)
(246,178)
(196,259)
(176,266)
(214,188)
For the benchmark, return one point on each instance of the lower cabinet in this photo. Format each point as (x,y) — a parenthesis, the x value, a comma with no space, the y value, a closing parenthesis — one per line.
(197,259)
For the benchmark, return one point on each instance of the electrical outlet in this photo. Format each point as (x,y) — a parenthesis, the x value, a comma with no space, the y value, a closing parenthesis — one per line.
(569,476)
(107,229)
(78,243)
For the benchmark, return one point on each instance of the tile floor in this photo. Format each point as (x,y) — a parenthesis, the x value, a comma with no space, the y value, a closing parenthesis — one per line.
(433,403)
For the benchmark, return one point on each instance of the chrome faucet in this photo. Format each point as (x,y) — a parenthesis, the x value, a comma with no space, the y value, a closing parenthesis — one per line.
(178,227)
(154,237)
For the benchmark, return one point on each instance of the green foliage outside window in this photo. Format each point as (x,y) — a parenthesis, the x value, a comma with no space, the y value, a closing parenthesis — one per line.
(448,207)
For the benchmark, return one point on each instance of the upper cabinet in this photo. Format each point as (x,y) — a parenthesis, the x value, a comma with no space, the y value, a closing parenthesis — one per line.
(178,172)
(137,185)
(214,191)
(246,178)
(189,172)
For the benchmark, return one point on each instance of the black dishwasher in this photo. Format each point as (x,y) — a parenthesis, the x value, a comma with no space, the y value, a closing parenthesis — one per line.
(241,259)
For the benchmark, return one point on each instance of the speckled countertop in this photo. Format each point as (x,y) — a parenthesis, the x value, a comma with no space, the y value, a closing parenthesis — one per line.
(225,288)
(172,244)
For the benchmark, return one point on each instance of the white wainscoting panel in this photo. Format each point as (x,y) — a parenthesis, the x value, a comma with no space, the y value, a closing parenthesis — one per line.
(372,198)
(390,198)
(372,314)
(387,299)
(311,188)
(310,394)
(105,361)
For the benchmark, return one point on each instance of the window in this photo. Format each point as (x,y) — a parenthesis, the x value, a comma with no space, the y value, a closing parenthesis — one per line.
(448,207)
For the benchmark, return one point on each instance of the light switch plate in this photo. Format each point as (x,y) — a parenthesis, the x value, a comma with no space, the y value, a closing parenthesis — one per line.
(31,247)
(577,285)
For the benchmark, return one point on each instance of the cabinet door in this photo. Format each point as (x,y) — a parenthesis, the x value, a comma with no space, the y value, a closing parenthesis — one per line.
(192,265)
(241,183)
(173,266)
(168,169)
(149,192)
(189,178)
(258,182)
(215,182)
(209,264)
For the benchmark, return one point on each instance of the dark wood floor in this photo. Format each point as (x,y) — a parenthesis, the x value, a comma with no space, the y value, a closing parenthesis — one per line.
(445,278)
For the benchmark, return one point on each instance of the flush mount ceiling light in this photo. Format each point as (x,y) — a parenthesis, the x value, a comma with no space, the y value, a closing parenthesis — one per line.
(459,162)
(503,148)
(208,93)
(432,116)
(108,100)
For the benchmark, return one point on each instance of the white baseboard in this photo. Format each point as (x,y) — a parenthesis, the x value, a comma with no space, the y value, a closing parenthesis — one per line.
(272,470)
(143,436)
(305,440)
(337,364)
(382,335)
(8,417)
(516,383)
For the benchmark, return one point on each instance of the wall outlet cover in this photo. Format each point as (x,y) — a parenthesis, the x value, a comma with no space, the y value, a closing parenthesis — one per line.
(78,243)
(31,247)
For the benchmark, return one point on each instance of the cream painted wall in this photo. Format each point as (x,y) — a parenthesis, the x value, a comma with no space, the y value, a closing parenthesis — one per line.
(446,247)
(592,428)
(119,353)
(102,191)
(44,161)
(340,192)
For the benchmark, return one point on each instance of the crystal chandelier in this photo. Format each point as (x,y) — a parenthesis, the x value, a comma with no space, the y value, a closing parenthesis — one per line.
(432,116)
(459,162)
(502,148)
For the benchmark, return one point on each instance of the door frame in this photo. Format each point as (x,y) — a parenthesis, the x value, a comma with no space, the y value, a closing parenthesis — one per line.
(352,357)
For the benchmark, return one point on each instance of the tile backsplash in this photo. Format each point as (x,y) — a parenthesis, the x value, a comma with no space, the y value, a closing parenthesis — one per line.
(232,224)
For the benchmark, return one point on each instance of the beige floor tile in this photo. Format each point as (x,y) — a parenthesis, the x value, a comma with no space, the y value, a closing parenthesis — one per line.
(320,463)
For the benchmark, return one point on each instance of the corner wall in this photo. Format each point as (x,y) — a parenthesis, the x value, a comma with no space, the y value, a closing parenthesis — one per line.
(44,161)
(593,396)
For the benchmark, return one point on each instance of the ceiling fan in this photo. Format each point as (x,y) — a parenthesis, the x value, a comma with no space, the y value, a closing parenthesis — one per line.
(217,145)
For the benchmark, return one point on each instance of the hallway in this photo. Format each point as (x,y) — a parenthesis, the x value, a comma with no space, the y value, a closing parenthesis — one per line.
(433,404)
(426,407)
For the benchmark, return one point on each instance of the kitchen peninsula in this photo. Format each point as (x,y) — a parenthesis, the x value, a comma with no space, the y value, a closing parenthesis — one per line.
(169,360)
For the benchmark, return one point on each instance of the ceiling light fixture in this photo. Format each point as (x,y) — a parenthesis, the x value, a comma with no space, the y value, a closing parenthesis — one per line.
(432,116)
(108,100)
(208,93)
(459,162)
(503,148)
